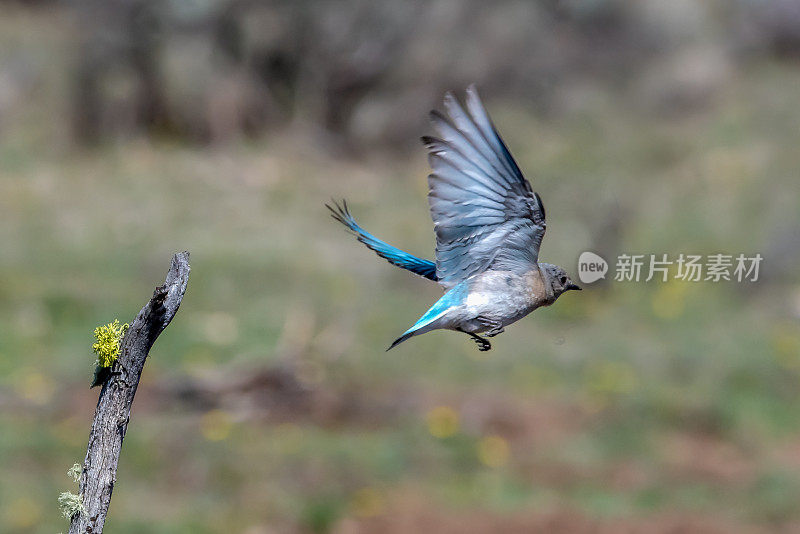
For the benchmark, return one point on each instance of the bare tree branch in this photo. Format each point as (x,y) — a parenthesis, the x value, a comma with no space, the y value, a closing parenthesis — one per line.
(114,405)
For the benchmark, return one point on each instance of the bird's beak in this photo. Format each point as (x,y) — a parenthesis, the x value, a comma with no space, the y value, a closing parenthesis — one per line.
(576,287)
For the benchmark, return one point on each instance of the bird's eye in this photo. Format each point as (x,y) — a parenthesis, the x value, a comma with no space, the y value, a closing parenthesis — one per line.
(563,280)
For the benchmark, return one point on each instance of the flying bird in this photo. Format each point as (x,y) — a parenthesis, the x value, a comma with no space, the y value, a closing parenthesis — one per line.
(489,224)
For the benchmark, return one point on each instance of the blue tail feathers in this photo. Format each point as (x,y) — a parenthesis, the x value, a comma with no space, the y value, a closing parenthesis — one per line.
(400,340)
(454,297)
(393,255)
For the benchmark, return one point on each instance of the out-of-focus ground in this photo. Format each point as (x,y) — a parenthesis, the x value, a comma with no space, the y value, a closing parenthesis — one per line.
(270,406)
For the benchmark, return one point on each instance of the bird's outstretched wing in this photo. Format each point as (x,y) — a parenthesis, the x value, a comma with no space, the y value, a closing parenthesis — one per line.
(393,255)
(484,211)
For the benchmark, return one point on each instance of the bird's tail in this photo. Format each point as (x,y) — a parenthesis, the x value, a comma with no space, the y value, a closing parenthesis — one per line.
(393,255)
(432,318)
(422,326)
(400,339)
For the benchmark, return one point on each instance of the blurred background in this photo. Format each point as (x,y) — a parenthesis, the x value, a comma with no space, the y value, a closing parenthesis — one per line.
(131,129)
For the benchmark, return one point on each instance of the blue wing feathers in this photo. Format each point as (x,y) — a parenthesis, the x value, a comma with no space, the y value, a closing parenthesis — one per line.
(393,255)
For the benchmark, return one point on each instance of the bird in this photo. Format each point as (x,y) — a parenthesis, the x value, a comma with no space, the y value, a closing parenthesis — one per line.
(489,225)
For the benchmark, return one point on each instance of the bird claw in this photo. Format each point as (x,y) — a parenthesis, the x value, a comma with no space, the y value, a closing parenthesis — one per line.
(493,327)
(483,344)
(494,332)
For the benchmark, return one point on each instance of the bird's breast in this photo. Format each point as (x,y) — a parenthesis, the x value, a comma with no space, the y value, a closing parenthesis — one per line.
(478,299)
(504,294)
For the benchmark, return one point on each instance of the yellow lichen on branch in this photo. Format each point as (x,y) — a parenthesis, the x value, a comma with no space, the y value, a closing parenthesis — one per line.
(107,344)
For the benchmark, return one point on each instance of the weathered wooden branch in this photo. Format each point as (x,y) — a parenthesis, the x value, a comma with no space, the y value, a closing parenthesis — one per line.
(114,405)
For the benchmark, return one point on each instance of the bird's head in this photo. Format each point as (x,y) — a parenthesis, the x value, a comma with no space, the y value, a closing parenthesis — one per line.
(558,279)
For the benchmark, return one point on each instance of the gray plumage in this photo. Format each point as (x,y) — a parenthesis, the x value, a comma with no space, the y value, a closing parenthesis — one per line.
(484,211)
(489,225)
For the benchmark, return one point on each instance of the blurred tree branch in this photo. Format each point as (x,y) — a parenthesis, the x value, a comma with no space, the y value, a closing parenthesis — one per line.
(114,405)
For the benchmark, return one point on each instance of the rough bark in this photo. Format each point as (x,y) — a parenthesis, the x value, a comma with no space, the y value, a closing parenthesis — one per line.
(114,405)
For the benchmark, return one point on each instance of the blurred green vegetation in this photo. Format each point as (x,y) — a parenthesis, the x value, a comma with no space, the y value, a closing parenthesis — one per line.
(642,405)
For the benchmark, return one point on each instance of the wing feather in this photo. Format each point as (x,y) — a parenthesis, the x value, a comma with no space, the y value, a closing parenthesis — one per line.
(489,132)
(470,131)
(485,212)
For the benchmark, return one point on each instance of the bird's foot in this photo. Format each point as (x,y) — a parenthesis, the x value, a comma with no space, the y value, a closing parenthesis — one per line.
(483,344)
(492,326)
(494,331)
